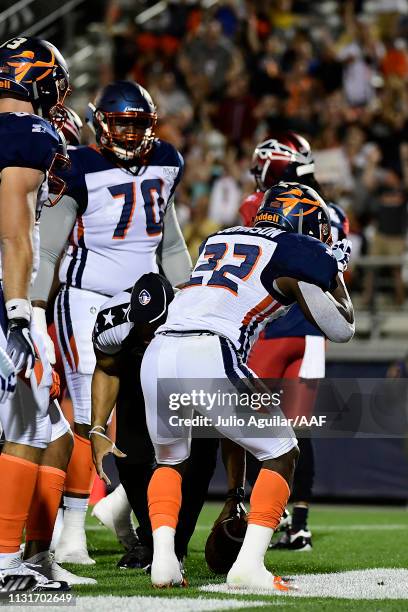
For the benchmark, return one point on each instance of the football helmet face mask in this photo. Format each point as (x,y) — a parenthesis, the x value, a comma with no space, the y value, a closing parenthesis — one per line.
(72,127)
(34,70)
(123,119)
(295,208)
(340,226)
(283,157)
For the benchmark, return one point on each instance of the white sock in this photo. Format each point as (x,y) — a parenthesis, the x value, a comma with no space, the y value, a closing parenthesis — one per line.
(121,506)
(163,541)
(58,527)
(254,546)
(10,560)
(76,503)
(74,522)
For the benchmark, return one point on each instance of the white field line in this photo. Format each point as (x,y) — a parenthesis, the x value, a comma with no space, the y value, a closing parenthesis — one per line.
(352,527)
(107,603)
(379,583)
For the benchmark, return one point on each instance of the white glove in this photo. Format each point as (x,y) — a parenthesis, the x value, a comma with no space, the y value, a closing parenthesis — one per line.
(7,377)
(40,323)
(342,251)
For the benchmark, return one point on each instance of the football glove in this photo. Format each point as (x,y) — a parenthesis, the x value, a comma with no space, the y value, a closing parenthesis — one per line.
(20,346)
(40,323)
(55,389)
(342,251)
(7,377)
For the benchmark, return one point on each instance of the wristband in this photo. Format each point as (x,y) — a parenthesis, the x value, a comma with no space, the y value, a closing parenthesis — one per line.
(18,309)
(96,427)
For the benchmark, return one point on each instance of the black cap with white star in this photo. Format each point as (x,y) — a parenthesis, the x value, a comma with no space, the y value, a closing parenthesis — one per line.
(151,296)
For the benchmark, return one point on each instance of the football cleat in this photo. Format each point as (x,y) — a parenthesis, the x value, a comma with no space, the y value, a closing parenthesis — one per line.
(114,512)
(47,566)
(138,557)
(300,541)
(285,522)
(26,577)
(248,578)
(167,572)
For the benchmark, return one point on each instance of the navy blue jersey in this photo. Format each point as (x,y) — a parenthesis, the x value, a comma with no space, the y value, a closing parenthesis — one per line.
(303,258)
(27,141)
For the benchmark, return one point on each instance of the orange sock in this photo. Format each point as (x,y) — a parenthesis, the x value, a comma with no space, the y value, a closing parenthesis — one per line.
(268,499)
(81,472)
(164,497)
(18,477)
(45,504)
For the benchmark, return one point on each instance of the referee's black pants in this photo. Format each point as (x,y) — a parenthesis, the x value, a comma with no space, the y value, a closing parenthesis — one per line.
(136,469)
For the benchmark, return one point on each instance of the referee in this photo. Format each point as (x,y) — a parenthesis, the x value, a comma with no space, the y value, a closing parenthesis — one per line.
(124,326)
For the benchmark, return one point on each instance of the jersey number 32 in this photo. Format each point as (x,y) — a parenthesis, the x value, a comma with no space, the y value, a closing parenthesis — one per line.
(215,253)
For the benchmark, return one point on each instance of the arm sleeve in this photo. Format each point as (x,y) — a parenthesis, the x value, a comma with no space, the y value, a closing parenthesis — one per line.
(174,256)
(325,313)
(55,226)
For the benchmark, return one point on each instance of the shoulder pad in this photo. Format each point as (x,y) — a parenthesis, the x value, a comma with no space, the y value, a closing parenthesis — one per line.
(165,154)
(84,160)
(304,258)
(28,141)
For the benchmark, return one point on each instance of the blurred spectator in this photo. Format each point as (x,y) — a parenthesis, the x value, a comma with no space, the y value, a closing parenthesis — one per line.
(210,54)
(395,60)
(234,116)
(389,210)
(225,76)
(171,100)
(199,226)
(226,194)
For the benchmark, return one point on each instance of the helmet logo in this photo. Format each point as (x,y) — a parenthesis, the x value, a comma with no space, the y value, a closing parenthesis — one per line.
(23,67)
(144,297)
(265,216)
(292,202)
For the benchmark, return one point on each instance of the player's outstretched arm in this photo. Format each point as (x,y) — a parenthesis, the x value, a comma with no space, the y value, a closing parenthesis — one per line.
(331,312)
(234,459)
(104,392)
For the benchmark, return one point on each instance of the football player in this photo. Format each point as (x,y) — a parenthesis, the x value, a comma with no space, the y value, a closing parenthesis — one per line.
(291,348)
(34,82)
(119,215)
(243,278)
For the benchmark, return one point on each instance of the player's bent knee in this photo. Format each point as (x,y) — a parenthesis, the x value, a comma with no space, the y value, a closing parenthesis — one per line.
(171,455)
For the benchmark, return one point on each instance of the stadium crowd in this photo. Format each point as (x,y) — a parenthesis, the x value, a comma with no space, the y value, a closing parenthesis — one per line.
(225,78)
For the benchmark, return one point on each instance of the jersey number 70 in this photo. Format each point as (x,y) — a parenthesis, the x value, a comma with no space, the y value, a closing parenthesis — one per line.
(215,253)
(149,188)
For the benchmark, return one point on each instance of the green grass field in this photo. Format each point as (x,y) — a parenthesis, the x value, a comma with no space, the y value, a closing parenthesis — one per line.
(345,538)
